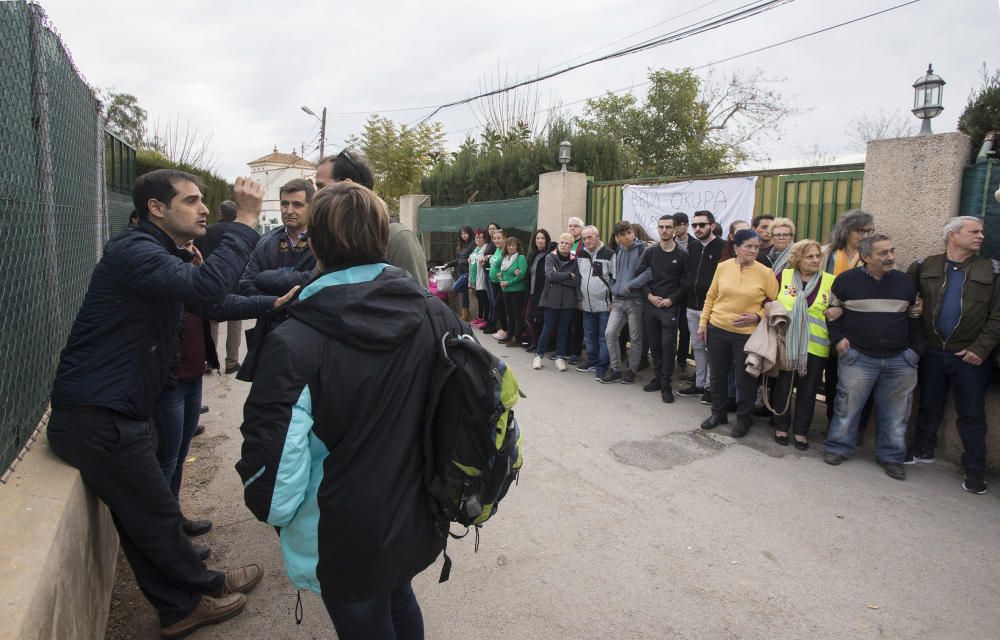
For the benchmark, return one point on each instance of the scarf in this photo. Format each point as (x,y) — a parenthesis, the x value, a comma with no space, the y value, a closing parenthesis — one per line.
(797,337)
(779,259)
(508,260)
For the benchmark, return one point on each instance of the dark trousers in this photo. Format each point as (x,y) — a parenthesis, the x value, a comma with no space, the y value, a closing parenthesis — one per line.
(499,313)
(575,344)
(557,320)
(683,336)
(533,318)
(661,326)
(483,303)
(940,370)
(805,396)
(176,418)
(394,615)
(725,354)
(116,456)
(513,304)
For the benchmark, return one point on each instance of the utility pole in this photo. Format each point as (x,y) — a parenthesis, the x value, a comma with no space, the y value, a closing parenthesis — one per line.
(322,134)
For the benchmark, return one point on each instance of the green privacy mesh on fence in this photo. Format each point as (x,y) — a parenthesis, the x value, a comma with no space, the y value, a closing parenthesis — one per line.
(52,212)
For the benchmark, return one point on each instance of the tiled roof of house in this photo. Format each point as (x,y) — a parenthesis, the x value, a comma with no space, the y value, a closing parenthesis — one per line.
(287,159)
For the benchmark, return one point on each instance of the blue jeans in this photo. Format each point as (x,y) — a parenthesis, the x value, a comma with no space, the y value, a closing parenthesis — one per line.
(940,370)
(462,286)
(891,382)
(594,326)
(555,320)
(394,615)
(175,419)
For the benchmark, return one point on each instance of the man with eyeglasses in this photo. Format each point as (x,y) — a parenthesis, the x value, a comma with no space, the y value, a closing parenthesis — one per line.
(662,273)
(703,258)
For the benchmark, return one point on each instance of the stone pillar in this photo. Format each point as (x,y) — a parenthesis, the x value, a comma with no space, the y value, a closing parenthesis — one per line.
(409,216)
(560,197)
(912,186)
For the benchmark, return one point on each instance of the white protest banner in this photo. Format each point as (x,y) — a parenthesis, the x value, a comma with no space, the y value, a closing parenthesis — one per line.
(729,199)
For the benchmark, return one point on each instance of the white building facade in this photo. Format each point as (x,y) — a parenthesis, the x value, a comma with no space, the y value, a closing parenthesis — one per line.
(272,171)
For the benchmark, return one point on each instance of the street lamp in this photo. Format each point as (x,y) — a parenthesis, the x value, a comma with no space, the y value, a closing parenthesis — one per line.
(564,154)
(927,98)
(322,128)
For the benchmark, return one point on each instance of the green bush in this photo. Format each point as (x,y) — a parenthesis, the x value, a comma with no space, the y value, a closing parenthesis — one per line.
(216,189)
(982,113)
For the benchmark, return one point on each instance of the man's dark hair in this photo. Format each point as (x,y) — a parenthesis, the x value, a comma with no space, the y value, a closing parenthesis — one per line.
(159,185)
(298,184)
(622,227)
(666,216)
(680,218)
(227,211)
(866,246)
(351,164)
(707,214)
(757,219)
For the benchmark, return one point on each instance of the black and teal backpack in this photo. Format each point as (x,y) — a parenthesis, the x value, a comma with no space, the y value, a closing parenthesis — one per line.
(472,443)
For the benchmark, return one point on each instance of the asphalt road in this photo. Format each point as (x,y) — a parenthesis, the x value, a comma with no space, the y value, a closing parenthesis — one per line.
(629,522)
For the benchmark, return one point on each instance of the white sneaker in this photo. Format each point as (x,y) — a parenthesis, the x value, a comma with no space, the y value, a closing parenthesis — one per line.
(537,362)
(499,335)
(560,364)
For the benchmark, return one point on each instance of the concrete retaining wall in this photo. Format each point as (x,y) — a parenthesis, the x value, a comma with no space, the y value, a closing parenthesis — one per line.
(58,548)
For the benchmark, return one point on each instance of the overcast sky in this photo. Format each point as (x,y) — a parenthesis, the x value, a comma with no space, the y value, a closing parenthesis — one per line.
(240,71)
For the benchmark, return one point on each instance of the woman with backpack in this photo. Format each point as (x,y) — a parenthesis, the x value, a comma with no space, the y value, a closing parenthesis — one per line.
(560,298)
(466,243)
(333,427)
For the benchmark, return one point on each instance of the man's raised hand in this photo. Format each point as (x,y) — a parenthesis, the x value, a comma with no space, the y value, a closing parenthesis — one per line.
(249,198)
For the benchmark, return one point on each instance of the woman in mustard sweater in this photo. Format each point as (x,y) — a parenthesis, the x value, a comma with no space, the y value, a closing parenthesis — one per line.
(733,307)
(513,281)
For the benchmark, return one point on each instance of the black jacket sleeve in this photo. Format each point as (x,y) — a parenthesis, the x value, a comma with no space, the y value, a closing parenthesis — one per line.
(278,283)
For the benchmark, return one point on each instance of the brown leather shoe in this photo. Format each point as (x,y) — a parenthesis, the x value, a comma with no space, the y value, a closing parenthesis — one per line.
(209,611)
(241,580)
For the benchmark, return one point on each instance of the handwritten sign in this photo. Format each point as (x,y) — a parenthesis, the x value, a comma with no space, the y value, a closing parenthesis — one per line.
(729,199)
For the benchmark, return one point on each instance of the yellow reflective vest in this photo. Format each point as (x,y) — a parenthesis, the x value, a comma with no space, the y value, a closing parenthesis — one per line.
(819,337)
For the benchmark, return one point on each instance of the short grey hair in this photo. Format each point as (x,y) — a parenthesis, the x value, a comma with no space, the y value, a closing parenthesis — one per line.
(574,219)
(591,227)
(867,244)
(955,224)
(847,222)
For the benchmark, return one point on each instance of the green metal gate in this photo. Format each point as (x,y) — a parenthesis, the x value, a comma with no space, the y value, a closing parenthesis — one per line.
(812,197)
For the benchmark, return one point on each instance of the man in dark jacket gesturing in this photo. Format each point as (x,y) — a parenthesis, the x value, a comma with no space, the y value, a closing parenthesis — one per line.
(119,356)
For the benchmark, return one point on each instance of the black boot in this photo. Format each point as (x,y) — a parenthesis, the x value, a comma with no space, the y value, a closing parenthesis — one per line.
(742,427)
(714,421)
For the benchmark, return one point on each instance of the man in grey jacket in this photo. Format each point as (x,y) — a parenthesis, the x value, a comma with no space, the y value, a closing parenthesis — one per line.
(596,264)
(625,306)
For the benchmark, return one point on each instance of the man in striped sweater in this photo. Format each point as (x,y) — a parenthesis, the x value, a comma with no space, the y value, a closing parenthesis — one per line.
(879,343)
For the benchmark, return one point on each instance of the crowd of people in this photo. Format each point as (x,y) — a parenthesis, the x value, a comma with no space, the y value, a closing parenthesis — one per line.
(856,328)
(339,361)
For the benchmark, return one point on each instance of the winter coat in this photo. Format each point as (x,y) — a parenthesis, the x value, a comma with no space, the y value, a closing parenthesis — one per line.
(461,261)
(595,288)
(265,258)
(562,283)
(125,341)
(333,433)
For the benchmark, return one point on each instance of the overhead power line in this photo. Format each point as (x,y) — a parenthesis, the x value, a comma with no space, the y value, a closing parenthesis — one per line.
(720,61)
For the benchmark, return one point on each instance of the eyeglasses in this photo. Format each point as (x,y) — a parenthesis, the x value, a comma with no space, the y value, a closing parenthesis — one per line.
(781,235)
(699,225)
(866,231)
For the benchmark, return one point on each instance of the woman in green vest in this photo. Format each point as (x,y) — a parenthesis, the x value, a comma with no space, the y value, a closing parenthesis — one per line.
(513,282)
(805,292)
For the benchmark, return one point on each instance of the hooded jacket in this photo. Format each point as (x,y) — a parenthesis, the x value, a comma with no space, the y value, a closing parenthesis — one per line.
(332,452)
(265,258)
(626,268)
(596,273)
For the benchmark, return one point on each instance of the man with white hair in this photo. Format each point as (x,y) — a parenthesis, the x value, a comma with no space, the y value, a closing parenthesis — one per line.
(961,319)
(596,264)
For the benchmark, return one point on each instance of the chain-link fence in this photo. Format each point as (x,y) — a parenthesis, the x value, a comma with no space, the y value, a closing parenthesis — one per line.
(53,220)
